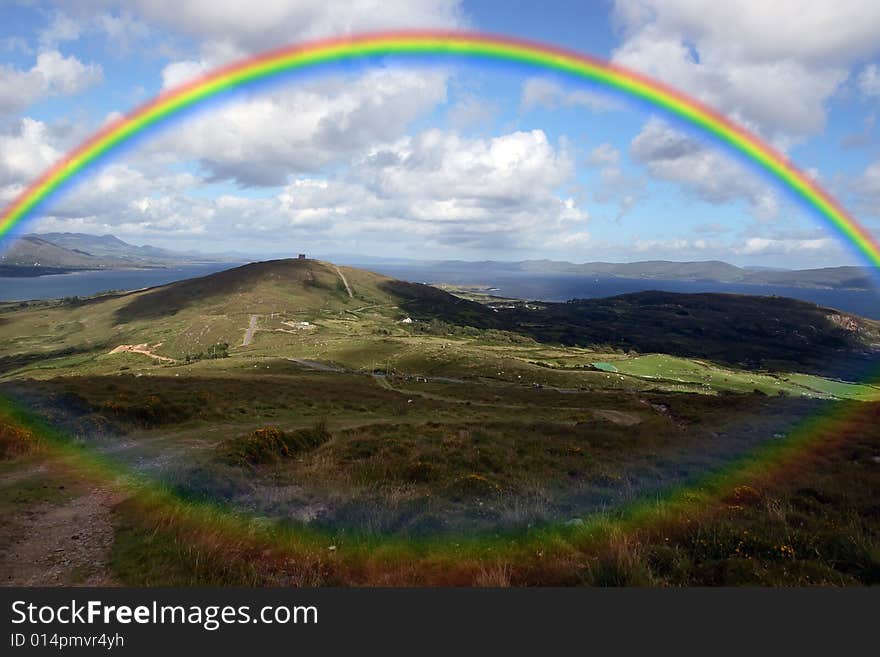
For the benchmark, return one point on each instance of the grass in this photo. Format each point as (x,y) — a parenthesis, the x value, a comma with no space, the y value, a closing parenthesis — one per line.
(815,526)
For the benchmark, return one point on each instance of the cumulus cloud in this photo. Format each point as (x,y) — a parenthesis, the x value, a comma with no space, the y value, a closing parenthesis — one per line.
(264,139)
(772,65)
(25,152)
(52,74)
(702,172)
(502,170)
(437,187)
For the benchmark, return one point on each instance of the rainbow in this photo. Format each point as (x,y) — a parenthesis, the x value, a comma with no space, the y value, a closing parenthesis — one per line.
(456,45)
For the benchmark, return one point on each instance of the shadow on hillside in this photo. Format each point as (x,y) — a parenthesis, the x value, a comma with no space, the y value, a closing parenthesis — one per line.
(170,299)
(757,333)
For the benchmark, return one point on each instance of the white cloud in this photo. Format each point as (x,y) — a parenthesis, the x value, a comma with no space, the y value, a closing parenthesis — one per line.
(702,172)
(615,186)
(262,140)
(242,26)
(25,152)
(772,65)
(438,188)
(61,28)
(869,81)
(866,190)
(603,154)
(501,170)
(666,246)
(549,94)
(768,246)
(52,74)
(471,111)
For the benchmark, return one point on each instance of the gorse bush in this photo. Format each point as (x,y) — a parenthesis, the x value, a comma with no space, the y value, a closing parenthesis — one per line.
(16,441)
(269,444)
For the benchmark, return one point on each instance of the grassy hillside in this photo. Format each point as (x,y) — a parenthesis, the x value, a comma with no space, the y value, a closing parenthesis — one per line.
(771,333)
(303,309)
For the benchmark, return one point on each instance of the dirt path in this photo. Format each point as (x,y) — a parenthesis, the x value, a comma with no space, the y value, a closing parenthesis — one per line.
(62,544)
(344,282)
(249,332)
(143,349)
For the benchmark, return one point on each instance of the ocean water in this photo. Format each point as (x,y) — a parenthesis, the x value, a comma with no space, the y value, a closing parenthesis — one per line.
(87,283)
(545,287)
(562,287)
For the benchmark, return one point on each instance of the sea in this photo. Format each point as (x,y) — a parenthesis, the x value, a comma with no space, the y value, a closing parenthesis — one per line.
(563,287)
(517,285)
(87,283)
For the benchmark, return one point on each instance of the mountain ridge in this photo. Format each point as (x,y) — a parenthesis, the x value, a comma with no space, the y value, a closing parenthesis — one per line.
(52,253)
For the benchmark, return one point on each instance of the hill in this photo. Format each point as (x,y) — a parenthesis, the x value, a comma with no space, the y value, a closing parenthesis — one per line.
(309,307)
(752,332)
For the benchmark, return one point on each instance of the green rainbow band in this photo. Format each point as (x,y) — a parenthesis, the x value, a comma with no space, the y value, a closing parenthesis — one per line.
(455,44)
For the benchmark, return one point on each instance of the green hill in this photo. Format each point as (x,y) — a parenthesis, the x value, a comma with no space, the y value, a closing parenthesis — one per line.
(312,309)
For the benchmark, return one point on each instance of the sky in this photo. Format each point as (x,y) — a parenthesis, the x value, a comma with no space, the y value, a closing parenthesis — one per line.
(450,161)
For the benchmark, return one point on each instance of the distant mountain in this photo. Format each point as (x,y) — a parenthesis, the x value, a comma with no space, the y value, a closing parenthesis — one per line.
(51,253)
(852,278)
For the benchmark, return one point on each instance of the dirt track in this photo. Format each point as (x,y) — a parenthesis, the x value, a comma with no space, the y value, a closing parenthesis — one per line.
(61,544)
(344,281)
(143,349)
(249,332)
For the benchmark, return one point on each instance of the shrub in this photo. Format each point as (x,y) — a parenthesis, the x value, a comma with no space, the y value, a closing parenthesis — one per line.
(268,444)
(217,350)
(15,441)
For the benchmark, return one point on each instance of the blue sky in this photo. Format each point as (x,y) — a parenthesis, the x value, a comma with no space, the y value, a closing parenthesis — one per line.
(451,161)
